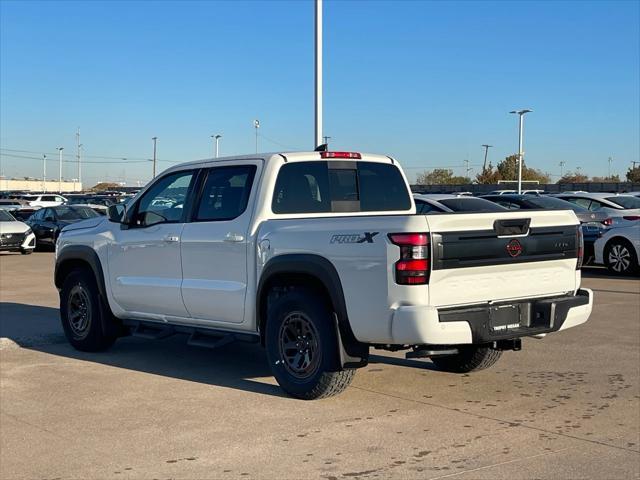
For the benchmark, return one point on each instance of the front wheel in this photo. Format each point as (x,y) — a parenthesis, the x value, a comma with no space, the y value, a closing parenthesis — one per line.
(620,257)
(302,347)
(81,312)
(468,359)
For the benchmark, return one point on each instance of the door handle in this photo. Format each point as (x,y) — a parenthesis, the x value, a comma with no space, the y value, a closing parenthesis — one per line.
(233,237)
(172,238)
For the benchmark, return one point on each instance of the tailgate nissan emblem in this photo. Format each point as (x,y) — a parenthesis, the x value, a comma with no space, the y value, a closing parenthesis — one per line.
(514,248)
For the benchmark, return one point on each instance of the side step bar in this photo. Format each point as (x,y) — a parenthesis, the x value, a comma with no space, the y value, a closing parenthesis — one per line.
(430,352)
(198,337)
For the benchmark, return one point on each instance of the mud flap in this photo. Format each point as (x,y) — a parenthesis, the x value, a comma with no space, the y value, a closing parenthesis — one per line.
(351,354)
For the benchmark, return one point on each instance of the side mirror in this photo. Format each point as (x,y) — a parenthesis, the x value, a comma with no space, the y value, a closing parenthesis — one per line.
(115,213)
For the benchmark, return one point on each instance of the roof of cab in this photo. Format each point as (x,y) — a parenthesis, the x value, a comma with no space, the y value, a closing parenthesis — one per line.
(287,157)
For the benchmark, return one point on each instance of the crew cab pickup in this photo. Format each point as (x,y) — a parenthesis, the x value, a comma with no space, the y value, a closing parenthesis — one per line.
(318,256)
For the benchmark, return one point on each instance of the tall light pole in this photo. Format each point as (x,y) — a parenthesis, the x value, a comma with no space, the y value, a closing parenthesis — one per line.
(216,138)
(155,139)
(562,164)
(80,150)
(44,172)
(610,160)
(256,125)
(60,168)
(78,153)
(318,77)
(521,114)
(486,151)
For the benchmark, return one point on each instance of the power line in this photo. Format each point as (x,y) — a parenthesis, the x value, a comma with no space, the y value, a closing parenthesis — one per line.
(121,160)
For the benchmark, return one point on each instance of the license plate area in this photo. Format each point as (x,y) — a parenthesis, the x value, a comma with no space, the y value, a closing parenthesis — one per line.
(504,318)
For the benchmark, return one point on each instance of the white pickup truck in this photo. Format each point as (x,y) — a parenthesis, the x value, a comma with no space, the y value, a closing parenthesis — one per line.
(318,256)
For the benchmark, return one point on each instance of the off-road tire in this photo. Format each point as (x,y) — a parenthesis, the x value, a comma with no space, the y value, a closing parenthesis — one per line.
(470,358)
(90,338)
(624,249)
(327,378)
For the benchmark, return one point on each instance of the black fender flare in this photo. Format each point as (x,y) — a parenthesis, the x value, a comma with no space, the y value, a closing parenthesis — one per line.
(73,255)
(353,354)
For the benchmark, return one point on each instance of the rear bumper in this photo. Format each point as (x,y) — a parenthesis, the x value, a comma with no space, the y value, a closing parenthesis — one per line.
(488,323)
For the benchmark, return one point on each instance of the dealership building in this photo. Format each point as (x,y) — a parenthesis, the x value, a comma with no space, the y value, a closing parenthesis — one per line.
(34,185)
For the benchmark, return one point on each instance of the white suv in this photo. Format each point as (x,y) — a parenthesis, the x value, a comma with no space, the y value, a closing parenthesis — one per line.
(44,200)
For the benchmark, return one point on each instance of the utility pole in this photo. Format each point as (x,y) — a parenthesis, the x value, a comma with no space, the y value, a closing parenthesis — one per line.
(78,153)
(60,167)
(467,168)
(80,150)
(326,140)
(486,151)
(521,114)
(318,76)
(256,125)
(155,139)
(44,172)
(216,139)
(562,164)
(610,160)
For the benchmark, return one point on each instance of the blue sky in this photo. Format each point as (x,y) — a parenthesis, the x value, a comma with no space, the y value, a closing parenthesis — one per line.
(427,82)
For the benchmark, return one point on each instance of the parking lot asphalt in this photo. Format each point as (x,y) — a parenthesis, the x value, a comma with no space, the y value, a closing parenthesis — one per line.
(567,406)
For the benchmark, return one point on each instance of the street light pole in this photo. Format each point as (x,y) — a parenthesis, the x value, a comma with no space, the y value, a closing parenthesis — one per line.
(318,76)
(610,160)
(256,125)
(521,114)
(562,164)
(155,139)
(486,151)
(44,172)
(60,168)
(216,138)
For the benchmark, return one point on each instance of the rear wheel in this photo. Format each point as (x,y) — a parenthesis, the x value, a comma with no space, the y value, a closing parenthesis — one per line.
(469,358)
(620,257)
(302,347)
(82,311)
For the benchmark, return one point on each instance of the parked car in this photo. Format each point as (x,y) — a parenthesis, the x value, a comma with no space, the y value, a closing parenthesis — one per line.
(96,203)
(593,223)
(48,222)
(15,236)
(11,204)
(619,249)
(44,200)
(443,203)
(319,256)
(617,206)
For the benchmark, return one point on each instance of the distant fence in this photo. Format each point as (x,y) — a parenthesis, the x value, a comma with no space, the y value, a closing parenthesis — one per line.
(478,189)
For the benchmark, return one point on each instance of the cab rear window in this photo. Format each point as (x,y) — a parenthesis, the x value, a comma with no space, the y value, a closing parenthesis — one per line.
(324,187)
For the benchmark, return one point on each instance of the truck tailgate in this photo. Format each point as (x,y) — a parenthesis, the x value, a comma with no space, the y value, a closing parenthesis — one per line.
(489,257)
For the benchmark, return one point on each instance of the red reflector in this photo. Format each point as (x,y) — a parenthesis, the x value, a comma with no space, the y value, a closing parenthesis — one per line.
(415,280)
(608,222)
(355,155)
(412,265)
(409,238)
(632,217)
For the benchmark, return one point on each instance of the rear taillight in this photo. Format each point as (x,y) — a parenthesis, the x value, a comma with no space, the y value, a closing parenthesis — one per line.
(413,266)
(580,247)
(608,222)
(631,217)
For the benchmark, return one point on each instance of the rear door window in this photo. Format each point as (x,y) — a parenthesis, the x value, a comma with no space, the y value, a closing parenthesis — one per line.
(225,193)
(322,187)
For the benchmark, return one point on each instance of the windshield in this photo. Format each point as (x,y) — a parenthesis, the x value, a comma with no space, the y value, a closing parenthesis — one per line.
(466,204)
(554,204)
(75,213)
(6,216)
(625,201)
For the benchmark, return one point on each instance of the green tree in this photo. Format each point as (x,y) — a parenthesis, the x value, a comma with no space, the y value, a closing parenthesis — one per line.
(440,176)
(574,177)
(489,175)
(611,179)
(508,170)
(633,174)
